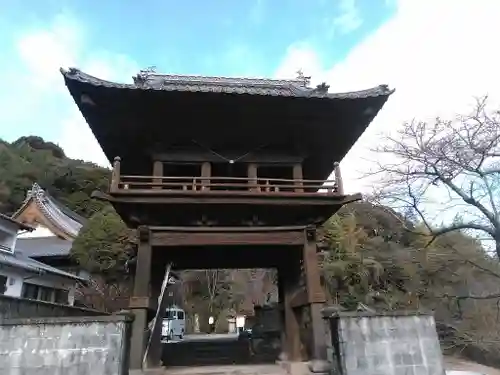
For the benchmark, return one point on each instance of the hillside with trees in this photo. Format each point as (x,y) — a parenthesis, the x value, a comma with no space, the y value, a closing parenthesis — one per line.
(395,251)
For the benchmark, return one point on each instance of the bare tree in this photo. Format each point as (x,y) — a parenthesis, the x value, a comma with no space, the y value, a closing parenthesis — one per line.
(457,162)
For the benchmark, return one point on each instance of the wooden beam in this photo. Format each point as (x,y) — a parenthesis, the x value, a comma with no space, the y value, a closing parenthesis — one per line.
(226,239)
(205,156)
(282,199)
(289,228)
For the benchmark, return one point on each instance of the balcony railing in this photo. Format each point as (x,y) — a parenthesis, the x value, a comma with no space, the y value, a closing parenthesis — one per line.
(242,185)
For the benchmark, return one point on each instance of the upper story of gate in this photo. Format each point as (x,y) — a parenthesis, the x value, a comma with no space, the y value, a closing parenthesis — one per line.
(185,135)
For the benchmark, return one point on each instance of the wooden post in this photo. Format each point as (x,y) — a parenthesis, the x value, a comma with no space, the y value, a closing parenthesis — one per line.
(115,176)
(315,294)
(298,177)
(157,172)
(139,303)
(206,172)
(338,179)
(289,277)
(252,177)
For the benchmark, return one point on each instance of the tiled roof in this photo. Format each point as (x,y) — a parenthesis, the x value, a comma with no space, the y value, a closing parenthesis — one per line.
(14,221)
(147,80)
(62,217)
(44,246)
(20,260)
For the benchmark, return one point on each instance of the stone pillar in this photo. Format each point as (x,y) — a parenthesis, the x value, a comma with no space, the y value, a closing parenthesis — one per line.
(139,303)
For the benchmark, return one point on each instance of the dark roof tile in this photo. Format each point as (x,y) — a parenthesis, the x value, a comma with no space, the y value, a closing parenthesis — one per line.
(20,260)
(146,80)
(44,246)
(61,216)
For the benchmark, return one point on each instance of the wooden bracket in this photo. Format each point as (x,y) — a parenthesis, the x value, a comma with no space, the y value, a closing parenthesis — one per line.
(311,233)
(139,303)
(144,233)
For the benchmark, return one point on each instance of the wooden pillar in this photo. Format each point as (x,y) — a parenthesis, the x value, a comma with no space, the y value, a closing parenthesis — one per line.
(206,172)
(252,177)
(298,177)
(289,277)
(315,294)
(338,179)
(139,303)
(115,175)
(157,172)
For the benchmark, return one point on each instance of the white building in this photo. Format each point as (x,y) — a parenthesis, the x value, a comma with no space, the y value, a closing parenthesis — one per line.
(23,277)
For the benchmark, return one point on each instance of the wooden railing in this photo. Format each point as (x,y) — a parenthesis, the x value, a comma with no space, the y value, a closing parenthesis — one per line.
(227,184)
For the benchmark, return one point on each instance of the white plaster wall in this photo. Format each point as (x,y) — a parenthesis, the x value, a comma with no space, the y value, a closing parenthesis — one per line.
(14,282)
(10,229)
(40,231)
(16,279)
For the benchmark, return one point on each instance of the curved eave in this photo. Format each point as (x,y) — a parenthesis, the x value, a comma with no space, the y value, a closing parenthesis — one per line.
(54,212)
(192,85)
(339,118)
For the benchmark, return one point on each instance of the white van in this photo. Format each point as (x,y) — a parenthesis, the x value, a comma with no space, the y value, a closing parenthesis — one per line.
(174,323)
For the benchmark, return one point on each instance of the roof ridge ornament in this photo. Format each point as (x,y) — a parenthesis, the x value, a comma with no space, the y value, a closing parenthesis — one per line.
(141,78)
(35,191)
(322,88)
(304,80)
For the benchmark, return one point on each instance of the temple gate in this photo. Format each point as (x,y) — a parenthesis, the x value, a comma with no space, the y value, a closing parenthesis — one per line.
(226,173)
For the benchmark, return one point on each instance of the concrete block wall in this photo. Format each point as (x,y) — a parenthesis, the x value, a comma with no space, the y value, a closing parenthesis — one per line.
(400,343)
(65,346)
(21,308)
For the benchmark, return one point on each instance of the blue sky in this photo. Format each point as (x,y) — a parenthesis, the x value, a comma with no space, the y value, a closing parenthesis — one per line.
(219,37)
(422,48)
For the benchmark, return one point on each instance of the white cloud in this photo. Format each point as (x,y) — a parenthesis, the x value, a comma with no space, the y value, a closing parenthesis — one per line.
(349,18)
(436,54)
(44,51)
(62,44)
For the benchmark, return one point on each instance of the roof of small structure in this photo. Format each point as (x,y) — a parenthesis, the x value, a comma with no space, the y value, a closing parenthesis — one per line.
(15,222)
(44,246)
(58,214)
(164,111)
(20,260)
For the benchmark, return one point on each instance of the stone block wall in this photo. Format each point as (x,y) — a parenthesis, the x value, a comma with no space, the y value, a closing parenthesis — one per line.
(65,346)
(20,308)
(399,343)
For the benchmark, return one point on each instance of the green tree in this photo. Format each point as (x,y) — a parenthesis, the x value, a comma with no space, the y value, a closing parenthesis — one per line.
(105,244)
(31,159)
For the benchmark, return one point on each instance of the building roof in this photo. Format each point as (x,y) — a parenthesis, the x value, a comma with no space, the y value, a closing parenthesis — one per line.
(20,260)
(52,246)
(59,215)
(160,113)
(15,222)
(147,80)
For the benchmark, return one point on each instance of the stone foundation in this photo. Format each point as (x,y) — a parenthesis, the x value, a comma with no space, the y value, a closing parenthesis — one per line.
(396,343)
(64,346)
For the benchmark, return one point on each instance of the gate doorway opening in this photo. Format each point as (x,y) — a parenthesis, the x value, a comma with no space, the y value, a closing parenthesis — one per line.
(232,316)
